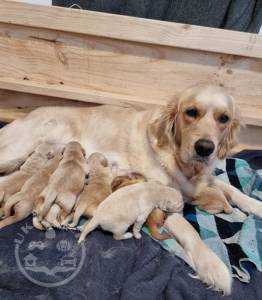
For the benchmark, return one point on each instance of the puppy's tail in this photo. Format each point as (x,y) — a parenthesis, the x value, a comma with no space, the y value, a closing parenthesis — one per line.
(11,202)
(90,226)
(153,229)
(48,199)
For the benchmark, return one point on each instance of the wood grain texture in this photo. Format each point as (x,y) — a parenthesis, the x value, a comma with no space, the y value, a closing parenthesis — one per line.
(132,29)
(102,70)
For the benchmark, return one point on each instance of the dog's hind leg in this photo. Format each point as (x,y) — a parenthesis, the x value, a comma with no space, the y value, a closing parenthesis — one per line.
(22,210)
(138,225)
(17,141)
(11,202)
(90,226)
(19,138)
(66,201)
(49,198)
(80,210)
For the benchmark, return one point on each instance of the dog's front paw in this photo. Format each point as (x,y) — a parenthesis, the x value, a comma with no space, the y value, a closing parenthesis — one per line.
(210,269)
(250,205)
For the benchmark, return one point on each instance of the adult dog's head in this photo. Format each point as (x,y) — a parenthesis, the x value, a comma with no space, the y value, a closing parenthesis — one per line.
(199,126)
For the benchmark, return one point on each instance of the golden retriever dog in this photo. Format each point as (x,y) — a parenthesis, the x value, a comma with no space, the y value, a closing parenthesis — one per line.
(131,205)
(68,180)
(23,201)
(12,183)
(177,145)
(156,218)
(98,188)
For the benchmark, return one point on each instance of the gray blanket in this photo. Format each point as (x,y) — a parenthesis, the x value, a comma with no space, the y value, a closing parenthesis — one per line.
(241,15)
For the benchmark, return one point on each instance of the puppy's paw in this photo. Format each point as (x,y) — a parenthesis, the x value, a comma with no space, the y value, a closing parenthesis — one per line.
(210,269)
(137,235)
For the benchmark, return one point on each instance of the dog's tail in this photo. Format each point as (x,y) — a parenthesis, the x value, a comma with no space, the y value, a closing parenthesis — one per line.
(90,226)
(153,229)
(11,202)
(48,199)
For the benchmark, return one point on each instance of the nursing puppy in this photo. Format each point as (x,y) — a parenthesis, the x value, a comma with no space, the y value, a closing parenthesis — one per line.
(51,219)
(98,188)
(213,200)
(12,183)
(23,201)
(67,181)
(132,205)
(156,218)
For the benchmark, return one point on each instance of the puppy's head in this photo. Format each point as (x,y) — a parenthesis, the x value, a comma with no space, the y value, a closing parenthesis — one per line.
(96,159)
(199,126)
(73,147)
(125,180)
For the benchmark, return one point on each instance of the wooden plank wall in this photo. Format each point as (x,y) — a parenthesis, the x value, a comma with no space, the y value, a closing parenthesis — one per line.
(94,57)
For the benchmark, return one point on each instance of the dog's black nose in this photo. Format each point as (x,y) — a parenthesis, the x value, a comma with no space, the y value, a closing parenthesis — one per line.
(204,147)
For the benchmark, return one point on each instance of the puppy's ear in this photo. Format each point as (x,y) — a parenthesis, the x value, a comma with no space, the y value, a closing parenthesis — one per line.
(83,151)
(63,150)
(163,128)
(103,161)
(230,137)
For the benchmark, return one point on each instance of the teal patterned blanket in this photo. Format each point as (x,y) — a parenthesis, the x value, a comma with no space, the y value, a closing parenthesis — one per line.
(236,238)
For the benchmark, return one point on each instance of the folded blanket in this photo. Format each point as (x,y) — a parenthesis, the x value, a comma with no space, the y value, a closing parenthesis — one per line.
(236,238)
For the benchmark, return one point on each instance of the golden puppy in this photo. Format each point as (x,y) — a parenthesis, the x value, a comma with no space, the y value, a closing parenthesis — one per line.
(23,201)
(132,205)
(12,183)
(156,218)
(67,182)
(213,200)
(98,188)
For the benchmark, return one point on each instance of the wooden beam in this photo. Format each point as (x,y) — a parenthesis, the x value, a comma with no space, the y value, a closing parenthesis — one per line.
(102,70)
(132,29)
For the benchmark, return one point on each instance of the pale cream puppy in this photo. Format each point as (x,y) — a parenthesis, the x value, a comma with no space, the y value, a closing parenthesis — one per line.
(23,201)
(132,205)
(67,182)
(12,183)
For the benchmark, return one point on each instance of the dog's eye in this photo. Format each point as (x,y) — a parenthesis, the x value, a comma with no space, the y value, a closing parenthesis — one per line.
(192,112)
(223,119)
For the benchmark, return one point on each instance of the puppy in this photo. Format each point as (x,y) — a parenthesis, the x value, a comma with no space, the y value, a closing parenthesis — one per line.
(67,182)
(156,218)
(125,180)
(98,188)
(213,201)
(132,205)
(23,201)
(12,183)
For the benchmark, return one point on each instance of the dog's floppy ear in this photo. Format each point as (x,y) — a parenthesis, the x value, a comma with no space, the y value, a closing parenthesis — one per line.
(163,128)
(230,136)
